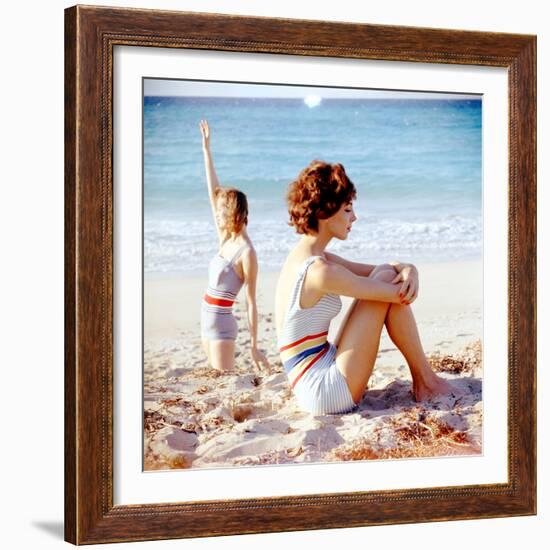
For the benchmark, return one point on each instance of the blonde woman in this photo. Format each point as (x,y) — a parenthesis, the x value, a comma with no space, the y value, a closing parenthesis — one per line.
(233,266)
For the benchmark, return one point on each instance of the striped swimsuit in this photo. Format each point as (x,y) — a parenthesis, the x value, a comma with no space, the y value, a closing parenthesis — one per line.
(217,320)
(307,357)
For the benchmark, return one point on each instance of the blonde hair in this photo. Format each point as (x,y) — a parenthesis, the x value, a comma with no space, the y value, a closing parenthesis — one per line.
(236,203)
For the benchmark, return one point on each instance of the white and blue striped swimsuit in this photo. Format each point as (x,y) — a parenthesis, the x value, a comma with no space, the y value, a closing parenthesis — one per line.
(308,358)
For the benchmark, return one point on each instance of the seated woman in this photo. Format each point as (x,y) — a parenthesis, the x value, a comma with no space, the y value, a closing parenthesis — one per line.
(233,266)
(330,378)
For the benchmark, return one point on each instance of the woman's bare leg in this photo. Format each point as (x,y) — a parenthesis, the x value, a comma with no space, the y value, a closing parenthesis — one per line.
(358,342)
(402,329)
(206,348)
(359,339)
(222,354)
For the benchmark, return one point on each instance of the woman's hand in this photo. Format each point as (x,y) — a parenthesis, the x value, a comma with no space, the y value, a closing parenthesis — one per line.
(205,133)
(260,360)
(409,289)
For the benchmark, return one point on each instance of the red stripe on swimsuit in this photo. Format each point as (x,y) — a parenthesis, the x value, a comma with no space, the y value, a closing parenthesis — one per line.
(218,301)
(317,357)
(308,337)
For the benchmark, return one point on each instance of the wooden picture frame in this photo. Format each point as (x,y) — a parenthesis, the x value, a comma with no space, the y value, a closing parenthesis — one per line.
(91,33)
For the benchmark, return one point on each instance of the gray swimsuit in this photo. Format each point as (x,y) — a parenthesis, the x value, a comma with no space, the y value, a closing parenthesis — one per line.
(217,320)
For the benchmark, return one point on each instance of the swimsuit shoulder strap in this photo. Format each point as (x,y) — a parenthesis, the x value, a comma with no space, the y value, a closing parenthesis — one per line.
(235,256)
(300,276)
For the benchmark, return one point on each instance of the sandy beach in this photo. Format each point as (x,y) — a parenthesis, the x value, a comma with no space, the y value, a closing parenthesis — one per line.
(195,416)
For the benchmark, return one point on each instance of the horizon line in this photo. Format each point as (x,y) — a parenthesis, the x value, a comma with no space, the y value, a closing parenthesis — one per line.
(429,96)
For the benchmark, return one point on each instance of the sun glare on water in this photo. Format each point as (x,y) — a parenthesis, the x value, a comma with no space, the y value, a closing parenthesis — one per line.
(312,101)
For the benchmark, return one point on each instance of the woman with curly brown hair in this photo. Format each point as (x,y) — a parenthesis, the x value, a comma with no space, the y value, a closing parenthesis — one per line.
(233,266)
(330,378)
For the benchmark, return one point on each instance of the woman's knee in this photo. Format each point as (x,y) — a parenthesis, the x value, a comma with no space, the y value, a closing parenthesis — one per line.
(386,275)
(380,268)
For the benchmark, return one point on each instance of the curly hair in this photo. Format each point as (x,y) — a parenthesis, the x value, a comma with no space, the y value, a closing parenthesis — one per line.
(317,194)
(236,203)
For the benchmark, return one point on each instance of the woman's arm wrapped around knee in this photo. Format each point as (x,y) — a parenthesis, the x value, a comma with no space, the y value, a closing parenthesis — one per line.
(407,274)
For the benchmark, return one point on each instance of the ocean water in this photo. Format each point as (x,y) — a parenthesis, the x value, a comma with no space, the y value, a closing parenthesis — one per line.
(416,165)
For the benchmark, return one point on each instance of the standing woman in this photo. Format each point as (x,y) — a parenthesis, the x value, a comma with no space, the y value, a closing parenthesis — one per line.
(330,378)
(233,266)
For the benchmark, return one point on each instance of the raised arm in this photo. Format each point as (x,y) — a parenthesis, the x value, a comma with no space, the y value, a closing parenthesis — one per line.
(212,181)
(250,270)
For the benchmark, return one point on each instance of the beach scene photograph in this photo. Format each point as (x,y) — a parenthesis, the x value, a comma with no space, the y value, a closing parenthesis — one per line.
(312,275)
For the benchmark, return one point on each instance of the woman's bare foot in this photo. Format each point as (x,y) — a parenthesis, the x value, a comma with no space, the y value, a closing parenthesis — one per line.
(433,387)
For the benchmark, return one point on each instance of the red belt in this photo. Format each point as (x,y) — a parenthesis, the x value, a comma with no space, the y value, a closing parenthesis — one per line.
(218,301)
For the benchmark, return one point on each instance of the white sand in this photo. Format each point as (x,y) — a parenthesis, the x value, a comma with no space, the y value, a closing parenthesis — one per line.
(196,417)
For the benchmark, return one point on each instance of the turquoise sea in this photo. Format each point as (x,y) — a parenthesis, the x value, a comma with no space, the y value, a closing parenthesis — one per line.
(416,163)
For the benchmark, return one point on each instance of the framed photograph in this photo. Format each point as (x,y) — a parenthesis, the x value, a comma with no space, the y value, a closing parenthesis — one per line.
(300,275)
